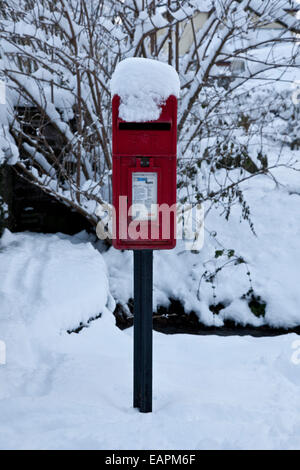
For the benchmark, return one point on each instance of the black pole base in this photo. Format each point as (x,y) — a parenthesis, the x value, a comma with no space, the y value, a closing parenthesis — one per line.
(143,330)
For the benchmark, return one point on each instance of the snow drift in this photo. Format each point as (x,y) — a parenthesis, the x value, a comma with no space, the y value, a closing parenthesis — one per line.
(50,283)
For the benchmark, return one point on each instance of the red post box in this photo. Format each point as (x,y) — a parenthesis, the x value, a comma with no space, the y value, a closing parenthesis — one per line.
(144,180)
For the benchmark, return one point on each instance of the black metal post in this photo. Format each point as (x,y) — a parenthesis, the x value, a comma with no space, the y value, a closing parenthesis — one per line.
(137,331)
(143,329)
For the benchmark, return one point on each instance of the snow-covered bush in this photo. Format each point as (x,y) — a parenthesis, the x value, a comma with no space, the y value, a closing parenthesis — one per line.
(59,56)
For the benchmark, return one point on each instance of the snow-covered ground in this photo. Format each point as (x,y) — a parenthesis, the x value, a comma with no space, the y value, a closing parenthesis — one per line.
(74,391)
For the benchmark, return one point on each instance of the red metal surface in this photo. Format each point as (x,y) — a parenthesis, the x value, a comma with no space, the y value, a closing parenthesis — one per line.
(130,144)
(148,143)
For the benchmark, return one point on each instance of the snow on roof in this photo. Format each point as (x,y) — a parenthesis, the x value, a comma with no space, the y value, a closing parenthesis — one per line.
(143,86)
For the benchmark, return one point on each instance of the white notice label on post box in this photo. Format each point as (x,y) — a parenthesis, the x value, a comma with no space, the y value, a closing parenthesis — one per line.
(144,196)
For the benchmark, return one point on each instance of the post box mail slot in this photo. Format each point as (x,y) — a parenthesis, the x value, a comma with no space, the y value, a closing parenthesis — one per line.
(145,126)
(144,179)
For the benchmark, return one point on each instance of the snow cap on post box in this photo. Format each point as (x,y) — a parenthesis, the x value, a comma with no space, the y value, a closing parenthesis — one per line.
(143,86)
